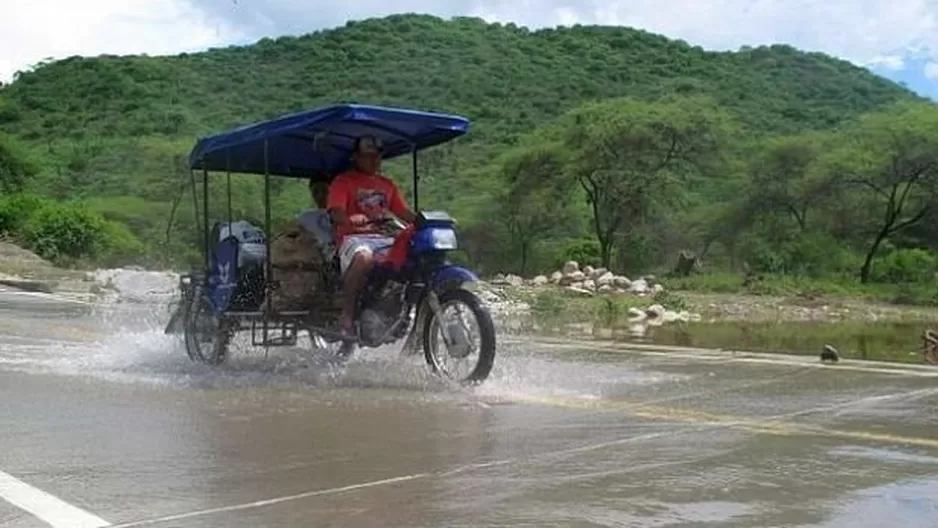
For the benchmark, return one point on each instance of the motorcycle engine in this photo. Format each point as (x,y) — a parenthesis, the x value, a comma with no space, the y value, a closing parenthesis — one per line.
(381,311)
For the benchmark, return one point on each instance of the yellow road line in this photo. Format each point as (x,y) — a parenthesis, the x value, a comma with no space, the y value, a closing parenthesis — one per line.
(770,425)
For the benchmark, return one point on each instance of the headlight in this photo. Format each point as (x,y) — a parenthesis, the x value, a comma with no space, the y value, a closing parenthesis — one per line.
(443,239)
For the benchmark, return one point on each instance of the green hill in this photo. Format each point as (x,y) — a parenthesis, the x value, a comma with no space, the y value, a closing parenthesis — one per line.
(506,78)
(114,131)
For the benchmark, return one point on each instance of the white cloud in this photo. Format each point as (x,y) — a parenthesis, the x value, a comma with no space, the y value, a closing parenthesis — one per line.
(887,62)
(32,30)
(869,32)
(931,71)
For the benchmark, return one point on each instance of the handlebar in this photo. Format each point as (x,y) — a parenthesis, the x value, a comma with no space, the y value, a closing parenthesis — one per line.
(394,222)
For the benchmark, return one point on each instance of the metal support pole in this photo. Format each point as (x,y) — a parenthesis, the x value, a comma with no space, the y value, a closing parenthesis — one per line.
(416,180)
(228,169)
(269,266)
(208,260)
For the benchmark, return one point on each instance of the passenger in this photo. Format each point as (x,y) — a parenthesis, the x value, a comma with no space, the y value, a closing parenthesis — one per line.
(357,199)
(317,220)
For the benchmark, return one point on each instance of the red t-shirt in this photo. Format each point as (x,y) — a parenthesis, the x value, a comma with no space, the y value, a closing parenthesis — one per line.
(372,195)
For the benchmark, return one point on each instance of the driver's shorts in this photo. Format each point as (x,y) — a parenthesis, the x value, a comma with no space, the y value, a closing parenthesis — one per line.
(352,244)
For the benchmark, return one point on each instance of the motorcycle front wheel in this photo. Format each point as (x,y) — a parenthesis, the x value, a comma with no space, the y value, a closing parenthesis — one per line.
(457,345)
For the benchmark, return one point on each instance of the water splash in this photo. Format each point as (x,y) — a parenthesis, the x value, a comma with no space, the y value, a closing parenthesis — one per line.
(119,338)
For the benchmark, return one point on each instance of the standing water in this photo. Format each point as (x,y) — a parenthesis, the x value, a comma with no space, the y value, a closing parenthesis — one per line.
(107,412)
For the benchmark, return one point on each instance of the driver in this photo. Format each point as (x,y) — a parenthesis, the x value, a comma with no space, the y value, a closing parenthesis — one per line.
(357,199)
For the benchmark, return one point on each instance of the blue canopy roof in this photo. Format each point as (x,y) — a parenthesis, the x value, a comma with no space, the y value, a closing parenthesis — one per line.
(318,143)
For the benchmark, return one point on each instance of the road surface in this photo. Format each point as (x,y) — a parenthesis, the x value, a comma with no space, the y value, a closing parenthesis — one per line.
(107,423)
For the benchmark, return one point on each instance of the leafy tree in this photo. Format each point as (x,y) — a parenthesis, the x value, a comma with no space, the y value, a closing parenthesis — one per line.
(785,176)
(888,163)
(534,203)
(630,155)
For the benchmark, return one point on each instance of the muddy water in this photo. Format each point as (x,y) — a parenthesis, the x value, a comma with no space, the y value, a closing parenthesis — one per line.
(106,413)
(889,341)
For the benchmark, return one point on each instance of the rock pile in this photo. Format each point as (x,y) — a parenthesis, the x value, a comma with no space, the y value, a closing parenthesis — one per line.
(586,281)
(134,285)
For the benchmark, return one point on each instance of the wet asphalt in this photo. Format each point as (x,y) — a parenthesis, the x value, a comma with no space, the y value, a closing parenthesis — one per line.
(105,414)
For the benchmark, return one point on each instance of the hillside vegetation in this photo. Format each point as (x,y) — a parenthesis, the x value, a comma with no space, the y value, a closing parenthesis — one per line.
(569,156)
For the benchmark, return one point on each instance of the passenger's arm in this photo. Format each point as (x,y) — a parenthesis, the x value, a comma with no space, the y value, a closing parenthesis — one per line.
(336,202)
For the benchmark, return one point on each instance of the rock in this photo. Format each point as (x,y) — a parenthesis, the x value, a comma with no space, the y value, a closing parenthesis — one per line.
(640,286)
(589,285)
(686,316)
(670,317)
(570,267)
(580,291)
(555,277)
(514,280)
(830,354)
(638,329)
(649,278)
(605,288)
(598,272)
(622,282)
(488,296)
(578,285)
(637,314)
(655,311)
(657,288)
(687,263)
(606,279)
(540,280)
(588,271)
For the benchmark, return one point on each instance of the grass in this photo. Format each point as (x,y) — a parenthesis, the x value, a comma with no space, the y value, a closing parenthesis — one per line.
(913,294)
(872,322)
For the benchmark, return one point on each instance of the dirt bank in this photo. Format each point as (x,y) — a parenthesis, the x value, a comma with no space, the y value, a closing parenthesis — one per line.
(24,269)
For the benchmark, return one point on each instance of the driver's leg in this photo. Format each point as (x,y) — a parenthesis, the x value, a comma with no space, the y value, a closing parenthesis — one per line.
(356,260)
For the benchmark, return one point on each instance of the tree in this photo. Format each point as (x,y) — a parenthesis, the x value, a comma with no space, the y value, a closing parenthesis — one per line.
(887,168)
(16,167)
(534,202)
(785,176)
(628,154)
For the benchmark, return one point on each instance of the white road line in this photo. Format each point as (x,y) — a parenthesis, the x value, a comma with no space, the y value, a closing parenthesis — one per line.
(51,510)
(276,500)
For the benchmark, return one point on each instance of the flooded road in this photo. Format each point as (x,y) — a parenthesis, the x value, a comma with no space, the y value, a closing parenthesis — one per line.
(107,423)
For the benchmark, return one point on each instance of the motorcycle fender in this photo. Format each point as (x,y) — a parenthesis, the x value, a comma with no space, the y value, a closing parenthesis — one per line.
(451,277)
(176,322)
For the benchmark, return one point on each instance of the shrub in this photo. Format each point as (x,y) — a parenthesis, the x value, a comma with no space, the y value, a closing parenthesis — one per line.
(68,230)
(585,252)
(906,266)
(63,232)
(16,209)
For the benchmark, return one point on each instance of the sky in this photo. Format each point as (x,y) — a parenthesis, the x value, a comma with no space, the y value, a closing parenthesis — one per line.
(897,38)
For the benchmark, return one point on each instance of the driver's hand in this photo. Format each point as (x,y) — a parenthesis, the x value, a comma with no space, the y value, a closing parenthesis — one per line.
(358,220)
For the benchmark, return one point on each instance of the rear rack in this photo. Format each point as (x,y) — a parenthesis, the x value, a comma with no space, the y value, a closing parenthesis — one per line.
(269,329)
